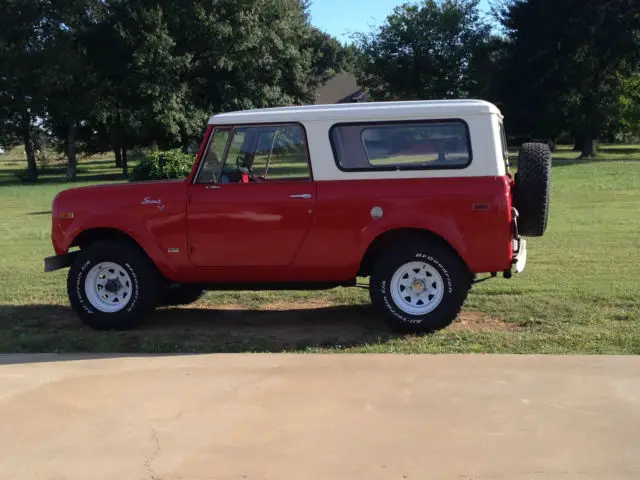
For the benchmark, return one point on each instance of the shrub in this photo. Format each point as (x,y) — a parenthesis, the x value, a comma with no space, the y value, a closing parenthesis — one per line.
(163,165)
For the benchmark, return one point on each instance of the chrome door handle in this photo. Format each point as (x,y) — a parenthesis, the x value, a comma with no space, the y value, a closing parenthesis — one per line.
(212,187)
(301,195)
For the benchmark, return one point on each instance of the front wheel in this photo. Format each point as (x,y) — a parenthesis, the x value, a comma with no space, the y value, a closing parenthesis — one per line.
(419,286)
(112,286)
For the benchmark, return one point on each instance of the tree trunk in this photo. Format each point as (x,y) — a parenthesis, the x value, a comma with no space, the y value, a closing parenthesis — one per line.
(118,153)
(589,148)
(125,164)
(32,166)
(552,142)
(578,142)
(71,152)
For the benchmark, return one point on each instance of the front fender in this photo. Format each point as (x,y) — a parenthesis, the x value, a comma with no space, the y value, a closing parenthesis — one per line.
(153,214)
(142,236)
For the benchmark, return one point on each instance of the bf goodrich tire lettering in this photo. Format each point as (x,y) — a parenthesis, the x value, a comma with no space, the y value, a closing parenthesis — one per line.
(443,263)
(138,268)
(533,189)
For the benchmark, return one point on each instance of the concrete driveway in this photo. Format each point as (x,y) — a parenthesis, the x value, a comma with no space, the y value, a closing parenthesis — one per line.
(319,417)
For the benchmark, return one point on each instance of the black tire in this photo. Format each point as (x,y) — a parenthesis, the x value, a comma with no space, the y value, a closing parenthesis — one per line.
(456,282)
(533,189)
(143,285)
(180,294)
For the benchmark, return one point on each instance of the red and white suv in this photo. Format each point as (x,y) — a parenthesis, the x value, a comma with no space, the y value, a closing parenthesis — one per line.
(417,196)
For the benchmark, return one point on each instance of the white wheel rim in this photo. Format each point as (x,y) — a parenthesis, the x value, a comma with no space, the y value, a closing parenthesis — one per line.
(108,287)
(417,288)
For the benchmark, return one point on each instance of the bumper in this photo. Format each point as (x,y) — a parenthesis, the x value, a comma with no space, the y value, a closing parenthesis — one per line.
(521,257)
(519,245)
(58,262)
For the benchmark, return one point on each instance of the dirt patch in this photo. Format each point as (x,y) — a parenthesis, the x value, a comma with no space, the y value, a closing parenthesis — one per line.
(308,305)
(310,319)
(231,307)
(480,322)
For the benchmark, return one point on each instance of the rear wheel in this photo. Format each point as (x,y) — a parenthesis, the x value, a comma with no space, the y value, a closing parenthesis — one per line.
(112,285)
(419,286)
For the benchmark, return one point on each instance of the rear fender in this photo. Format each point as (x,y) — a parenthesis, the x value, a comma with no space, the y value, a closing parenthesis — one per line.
(446,228)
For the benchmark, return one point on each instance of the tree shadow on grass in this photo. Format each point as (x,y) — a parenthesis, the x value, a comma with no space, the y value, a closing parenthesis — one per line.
(620,150)
(55,328)
(62,181)
(567,162)
(633,157)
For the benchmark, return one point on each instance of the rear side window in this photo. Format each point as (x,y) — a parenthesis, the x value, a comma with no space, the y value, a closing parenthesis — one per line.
(505,148)
(401,145)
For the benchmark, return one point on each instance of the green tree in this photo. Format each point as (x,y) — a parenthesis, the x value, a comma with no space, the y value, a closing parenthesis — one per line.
(114,75)
(428,50)
(24,60)
(144,93)
(630,105)
(329,56)
(565,63)
(72,85)
(243,54)
(166,66)
(530,88)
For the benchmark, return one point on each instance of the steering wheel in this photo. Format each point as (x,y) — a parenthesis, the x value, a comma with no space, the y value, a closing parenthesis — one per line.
(240,165)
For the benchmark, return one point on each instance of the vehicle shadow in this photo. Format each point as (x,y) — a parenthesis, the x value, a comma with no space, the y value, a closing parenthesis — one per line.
(55,328)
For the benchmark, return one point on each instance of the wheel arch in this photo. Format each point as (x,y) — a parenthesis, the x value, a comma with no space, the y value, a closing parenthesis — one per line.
(396,235)
(92,235)
(100,234)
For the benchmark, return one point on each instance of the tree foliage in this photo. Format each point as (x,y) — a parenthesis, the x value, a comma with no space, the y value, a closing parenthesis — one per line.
(158,165)
(428,50)
(25,50)
(629,123)
(565,64)
(115,75)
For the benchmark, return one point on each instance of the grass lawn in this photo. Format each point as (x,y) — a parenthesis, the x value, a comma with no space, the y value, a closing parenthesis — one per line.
(579,293)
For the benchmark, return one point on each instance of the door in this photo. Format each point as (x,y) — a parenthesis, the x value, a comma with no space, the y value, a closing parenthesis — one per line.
(255,206)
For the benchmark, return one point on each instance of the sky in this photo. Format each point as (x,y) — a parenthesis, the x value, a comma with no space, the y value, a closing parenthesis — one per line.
(341,18)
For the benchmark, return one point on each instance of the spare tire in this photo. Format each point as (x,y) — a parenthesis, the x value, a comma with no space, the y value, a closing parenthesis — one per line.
(533,189)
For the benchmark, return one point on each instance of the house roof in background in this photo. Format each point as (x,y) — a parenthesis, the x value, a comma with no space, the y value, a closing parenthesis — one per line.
(342,88)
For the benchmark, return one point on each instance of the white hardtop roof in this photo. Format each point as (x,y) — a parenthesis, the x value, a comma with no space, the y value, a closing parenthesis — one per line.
(371,111)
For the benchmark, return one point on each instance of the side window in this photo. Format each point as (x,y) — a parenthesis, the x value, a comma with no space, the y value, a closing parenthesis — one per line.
(398,146)
(281,153)
(239,150)
(266,153)
(212,161)
(505,147)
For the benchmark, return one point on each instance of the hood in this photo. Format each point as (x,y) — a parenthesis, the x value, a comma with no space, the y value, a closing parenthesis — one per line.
(121,198)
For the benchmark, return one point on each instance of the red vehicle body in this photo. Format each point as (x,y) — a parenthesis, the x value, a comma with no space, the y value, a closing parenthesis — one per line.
(262,232)
(321,239)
